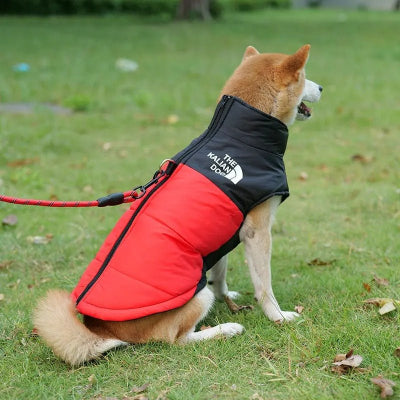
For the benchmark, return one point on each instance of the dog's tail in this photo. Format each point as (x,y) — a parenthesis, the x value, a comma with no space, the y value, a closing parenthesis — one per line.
(56,321)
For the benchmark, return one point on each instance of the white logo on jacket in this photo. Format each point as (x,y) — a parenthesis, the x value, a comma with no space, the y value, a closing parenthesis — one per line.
(226,166)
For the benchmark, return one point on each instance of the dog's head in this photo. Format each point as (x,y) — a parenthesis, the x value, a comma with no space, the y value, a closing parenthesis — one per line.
(275,83)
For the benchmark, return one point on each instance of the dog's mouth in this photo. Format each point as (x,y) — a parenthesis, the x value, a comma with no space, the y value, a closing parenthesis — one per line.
(311,93)
(303,110)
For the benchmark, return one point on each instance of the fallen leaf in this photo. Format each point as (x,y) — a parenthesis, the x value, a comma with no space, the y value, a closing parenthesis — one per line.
(397,352)
(349,353)
(319,262)
(344,363)
(339,369)
(92,379)
(353,361)
(107,146)
(385,385)
(299,309)
(39,239)
(126,65)
(140,389)
(381,301)
(323,167)
(367,286)
(376,301)
(22,162)
(34,332)
(10,220)
(172,119)
(256,396)
(339,357)
(361,158)
(381,281)
(388,307)
(303,176)
(1,296)
(5,264)
(88,189)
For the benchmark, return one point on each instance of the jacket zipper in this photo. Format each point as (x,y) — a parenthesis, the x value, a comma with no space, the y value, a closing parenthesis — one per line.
(118,241)
(211,131)
(210,134)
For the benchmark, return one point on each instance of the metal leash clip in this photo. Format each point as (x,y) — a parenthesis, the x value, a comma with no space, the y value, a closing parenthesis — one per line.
(139,191)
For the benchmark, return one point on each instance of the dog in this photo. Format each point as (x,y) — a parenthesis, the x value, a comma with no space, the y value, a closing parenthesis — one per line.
(266,90)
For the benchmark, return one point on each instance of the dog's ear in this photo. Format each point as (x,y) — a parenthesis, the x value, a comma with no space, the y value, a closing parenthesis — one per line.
(250,52)
(296,62)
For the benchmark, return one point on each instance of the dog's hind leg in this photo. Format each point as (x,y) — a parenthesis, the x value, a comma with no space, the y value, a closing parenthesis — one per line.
(205,300)
(228,329)
(257,239)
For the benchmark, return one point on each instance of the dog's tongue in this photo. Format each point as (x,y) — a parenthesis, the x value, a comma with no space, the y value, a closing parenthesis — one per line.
(304,110)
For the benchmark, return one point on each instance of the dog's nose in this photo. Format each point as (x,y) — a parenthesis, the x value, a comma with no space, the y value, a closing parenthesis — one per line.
(320,88)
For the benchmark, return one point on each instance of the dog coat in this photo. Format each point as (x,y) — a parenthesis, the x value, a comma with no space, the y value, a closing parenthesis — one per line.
(156,257)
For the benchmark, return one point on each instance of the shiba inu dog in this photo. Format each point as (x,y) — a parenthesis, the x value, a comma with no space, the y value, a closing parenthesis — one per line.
(265,94)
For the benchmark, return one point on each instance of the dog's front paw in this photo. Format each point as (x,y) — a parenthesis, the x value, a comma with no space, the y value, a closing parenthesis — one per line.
(233,295)
(221,291)
(230,329)
(287,316)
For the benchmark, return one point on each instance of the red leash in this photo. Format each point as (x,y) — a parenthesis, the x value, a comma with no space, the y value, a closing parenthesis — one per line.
(110,200)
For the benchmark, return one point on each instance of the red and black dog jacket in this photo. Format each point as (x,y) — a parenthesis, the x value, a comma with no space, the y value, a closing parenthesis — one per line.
(156,257)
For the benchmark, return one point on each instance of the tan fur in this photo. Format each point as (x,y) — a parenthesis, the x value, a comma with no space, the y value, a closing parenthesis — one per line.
(257,239)
(168,326)
(272,83)
(280,81)
(56,321)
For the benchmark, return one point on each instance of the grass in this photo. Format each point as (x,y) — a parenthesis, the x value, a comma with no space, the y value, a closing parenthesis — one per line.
(346,213)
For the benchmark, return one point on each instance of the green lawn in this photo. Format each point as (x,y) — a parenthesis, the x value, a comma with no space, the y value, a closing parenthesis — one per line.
(346,213)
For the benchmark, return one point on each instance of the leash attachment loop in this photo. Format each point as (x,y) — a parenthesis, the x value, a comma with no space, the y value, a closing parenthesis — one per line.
(139,191)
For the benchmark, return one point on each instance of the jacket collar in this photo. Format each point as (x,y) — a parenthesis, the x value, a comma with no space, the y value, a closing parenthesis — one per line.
(251,126)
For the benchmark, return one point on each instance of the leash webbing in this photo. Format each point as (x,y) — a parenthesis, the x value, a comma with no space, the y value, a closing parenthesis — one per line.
(112,199)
